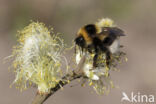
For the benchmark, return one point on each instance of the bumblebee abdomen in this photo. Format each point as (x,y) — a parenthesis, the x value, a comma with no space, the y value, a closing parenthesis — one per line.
(108,41)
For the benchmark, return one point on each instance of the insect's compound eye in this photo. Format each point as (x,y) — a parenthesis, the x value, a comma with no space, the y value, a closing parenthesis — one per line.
(80,41)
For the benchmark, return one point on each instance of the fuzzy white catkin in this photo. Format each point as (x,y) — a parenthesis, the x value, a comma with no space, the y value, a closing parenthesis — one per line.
(38,58)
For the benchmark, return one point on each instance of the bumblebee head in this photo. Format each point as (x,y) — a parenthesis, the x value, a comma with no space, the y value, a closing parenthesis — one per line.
(80,41)
(85,35)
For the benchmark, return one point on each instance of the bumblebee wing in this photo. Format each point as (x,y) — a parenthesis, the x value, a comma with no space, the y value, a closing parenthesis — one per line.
(109,34)
(116,31)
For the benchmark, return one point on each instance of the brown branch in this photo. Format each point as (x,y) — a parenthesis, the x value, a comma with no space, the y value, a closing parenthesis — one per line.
(77,73)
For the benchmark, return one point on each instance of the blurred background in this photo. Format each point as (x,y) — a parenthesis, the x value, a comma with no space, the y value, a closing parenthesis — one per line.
(136,17)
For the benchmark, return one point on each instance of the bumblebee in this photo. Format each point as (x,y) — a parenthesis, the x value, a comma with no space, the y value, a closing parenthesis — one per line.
(94,38)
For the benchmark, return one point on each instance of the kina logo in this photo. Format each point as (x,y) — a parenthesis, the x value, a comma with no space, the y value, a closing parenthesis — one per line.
(138,98)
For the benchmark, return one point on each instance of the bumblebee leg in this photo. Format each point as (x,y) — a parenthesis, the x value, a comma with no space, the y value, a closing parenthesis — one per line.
(89,48)
(95,60)
(108,54)
(95,56)
(108,58)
